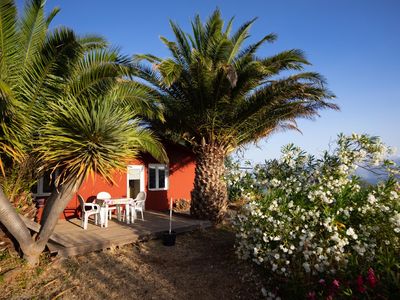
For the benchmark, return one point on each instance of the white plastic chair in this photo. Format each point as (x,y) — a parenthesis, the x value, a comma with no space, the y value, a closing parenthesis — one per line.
(138,204)
(105,196)
(88,209)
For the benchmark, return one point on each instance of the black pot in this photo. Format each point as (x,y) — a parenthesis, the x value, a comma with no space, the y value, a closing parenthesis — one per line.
(169,239)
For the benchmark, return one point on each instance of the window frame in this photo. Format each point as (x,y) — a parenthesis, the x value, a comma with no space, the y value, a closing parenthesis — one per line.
(39,186)
(157,184)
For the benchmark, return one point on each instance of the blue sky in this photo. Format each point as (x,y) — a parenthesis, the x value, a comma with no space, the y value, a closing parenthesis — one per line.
(354,44)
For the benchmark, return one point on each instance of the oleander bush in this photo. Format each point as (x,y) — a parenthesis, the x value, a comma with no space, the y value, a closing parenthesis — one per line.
(317,229)
(241,184)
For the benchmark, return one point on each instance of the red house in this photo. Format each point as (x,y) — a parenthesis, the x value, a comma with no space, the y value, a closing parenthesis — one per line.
(161,182)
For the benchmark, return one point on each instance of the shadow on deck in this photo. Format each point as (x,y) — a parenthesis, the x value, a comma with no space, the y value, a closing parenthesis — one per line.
(71,239)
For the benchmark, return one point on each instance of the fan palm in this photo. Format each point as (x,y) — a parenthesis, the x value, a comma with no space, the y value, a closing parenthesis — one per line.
(218,95)
(64,104)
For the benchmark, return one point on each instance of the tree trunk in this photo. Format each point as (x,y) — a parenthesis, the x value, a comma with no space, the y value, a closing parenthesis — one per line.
(209,196)
(49,203)
(11,220)
(59,200)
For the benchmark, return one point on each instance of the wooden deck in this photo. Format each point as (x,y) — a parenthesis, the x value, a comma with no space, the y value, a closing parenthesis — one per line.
(70,239)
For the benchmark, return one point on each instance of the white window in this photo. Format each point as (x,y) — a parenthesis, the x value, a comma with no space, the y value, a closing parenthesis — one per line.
(45,184)
(158,177)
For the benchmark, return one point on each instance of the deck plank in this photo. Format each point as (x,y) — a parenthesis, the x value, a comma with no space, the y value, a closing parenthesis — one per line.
(78,241)
(56,237)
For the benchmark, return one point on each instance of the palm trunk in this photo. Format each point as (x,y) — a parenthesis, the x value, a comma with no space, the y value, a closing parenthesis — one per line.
(209,196)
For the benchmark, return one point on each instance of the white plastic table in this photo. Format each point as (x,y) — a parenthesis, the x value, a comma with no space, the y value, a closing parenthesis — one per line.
(105,203)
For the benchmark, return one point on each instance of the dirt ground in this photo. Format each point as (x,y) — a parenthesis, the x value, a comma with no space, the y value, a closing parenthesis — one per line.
(202,265)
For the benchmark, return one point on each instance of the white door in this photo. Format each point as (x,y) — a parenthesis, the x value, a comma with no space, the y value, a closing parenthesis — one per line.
(135,180)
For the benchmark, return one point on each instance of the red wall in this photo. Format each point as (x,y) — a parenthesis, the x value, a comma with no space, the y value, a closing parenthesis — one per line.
(181,177)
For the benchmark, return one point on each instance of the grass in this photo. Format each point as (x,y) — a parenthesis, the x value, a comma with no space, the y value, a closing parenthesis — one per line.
(202,264)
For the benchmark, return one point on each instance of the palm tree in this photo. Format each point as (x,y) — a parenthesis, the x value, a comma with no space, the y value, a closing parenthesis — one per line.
(65,104)
(218,95)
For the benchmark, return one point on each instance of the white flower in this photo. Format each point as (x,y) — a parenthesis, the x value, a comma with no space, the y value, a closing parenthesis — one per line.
(264,292)
(351,233)
(360,249)
(371,198)
(275,182)
(308,234)
(306,267)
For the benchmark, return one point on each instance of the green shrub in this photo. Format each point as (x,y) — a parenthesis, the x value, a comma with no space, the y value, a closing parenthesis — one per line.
(240,181)
(317,226)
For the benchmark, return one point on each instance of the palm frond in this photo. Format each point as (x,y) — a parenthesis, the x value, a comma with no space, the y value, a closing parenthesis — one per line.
(65,100)
(198,33)
(181,41)
(139,98)
(8,38)
(50,66)
(223,93)
(287,60)
(137,58)
(170,71)
(97,71)
(33,28)
(54,12)
(228,28)
(239,37)
(93,42)
(94,137)
(252,49)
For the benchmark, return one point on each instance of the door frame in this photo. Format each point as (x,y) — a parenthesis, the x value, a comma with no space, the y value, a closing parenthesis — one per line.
(142,171)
